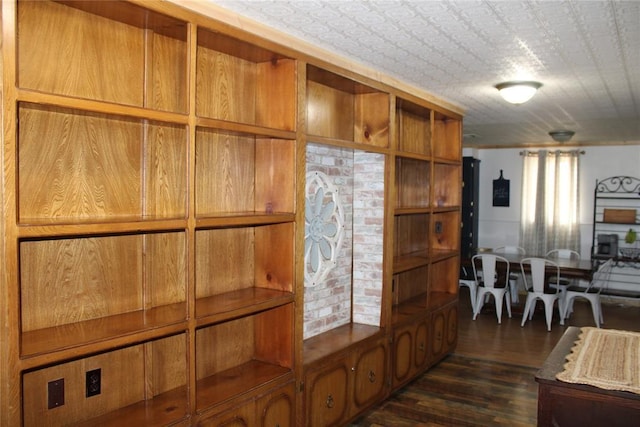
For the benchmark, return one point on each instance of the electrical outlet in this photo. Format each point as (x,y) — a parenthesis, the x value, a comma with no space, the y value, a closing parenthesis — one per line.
(55,393)
(94,382)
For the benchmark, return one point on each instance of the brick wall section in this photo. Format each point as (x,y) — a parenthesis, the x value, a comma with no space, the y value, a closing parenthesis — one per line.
(368,236)
(360,178)
(327,305)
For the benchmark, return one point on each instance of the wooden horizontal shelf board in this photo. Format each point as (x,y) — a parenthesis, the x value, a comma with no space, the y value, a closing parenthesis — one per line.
(101,107)
(343,143)
(243,219)
(43,228)
(164,409)
(440,255)
(440,299)
(223,43)
(218,388)
(338,82)
(72,335)
(445,209)
(337,339)
(234,304)
(410,307)
(446,161)
(244,128)
(412,210)
(410,261)
(399,319)
(135,15)
(413,156)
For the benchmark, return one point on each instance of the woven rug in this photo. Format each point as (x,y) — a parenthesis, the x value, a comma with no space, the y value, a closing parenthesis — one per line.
(604,358)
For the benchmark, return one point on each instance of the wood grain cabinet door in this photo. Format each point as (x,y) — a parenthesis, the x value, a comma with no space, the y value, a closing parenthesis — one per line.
(452,327)
(403,344)
(444,332)
(410,351)
(327,392)
(369,371)
(242,416)
(438,331)
(277,409)
(421,347)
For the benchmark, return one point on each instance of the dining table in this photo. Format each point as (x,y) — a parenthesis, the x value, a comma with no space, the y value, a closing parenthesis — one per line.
(570,268)
(581,269)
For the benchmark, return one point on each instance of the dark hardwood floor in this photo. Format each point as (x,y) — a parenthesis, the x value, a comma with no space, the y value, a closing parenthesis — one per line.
(489,380)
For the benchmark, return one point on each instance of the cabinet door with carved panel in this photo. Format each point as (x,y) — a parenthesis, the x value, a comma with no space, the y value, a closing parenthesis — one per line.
(327,390)
(277,408)
(242,416)
(452,326)
(410,351)
(444,331)
(369,369)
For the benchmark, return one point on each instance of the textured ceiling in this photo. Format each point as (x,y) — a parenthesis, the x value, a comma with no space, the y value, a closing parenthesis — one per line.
(586,54)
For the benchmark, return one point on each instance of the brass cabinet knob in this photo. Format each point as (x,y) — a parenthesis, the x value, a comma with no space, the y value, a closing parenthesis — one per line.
(330,402)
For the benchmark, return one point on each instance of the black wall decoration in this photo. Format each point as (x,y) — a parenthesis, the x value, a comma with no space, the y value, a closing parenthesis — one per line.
(501,191)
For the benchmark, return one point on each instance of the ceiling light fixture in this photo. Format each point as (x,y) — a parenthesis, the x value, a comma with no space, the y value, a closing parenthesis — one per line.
(561,135)
(518,92)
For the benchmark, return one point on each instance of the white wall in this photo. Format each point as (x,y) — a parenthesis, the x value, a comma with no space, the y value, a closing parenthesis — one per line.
(500,225)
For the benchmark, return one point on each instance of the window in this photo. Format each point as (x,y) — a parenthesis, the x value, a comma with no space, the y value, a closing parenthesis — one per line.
(550,201)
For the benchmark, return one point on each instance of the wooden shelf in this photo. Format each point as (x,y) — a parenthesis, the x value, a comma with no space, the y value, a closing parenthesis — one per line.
(66,227)
(409,308)
(244,129)
(142,381)
(412,211)
(27,96)
(337,340)
(441,299)
(444,276)
(414,130)
(343,143)
(413,182)
(164,409)
(447,134)
(247,377)
(81,69)
(340,108)
(410,261)
(122,327)
(94,167)
(240,173)
(234,304)
(250,85)
(261,354)
(445,235)
(445,177)
(234,219)
(437,255)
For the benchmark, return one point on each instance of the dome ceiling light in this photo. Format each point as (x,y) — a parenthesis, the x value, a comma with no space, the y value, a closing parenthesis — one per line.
(561,135)
(518,92)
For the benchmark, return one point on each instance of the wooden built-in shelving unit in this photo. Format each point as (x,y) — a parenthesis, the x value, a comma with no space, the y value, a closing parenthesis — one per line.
(153,223)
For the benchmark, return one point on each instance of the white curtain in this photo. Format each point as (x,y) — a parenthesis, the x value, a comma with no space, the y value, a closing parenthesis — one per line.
(550,201)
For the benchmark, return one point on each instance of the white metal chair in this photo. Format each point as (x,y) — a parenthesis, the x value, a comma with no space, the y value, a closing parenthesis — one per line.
(488,271)
(513,279)
(467,280)
(564,282)
(538,269)
(591,293)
